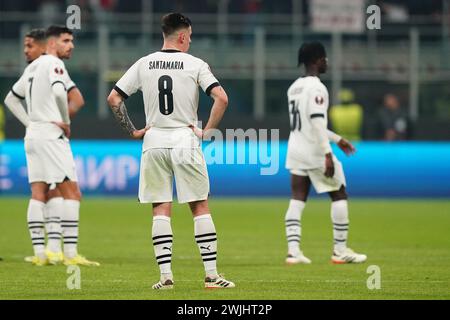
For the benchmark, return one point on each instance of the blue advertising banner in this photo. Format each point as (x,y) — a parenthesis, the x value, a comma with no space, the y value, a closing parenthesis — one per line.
(237,169)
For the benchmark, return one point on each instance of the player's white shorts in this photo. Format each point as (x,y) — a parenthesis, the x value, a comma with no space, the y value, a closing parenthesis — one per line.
(320,182)
(160,166)
(49,161)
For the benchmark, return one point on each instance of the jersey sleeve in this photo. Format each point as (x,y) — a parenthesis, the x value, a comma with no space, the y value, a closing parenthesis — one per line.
(58,73)
(130,82)
(19,88)
(317,112)
(68,81)
(317,103)
(206,79)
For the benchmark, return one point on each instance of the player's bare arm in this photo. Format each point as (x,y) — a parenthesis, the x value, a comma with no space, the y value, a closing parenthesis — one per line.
(120,112)
(76,101)
(218,109)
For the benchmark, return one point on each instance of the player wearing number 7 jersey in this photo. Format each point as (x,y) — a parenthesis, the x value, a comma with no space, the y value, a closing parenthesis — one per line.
(43,85)
(169,80)
(310,159)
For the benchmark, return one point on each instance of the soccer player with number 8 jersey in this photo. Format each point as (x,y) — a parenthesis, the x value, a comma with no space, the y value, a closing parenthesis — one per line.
(169,80)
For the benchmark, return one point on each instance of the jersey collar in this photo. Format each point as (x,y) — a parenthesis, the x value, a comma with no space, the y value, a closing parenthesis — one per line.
(170,50)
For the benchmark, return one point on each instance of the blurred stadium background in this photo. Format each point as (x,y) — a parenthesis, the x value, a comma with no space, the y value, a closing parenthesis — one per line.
(391,83)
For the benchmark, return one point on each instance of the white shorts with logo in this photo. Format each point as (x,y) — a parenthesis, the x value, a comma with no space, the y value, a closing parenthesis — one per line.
(318,179)
(160,166)
(49,161)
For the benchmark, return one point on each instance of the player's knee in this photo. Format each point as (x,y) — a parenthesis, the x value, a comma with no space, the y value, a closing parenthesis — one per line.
(39,195)
(162,209)
(199,207)
(78,195)
(296,188)
(299,195)
(53,194)
(75,194)
(298,192)
(341,194)
(70,190)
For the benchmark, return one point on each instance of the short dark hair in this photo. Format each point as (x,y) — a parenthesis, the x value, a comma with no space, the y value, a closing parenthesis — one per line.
(36,34)
(56,31)
(310,52)
(173,22)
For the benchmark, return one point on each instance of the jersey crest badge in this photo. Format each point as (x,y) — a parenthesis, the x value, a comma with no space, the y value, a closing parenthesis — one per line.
(319,100)
(58,70)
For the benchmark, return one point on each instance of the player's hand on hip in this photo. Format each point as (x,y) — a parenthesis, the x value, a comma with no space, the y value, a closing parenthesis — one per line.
(329,165)
(139,134)
(65,127)
(197,131)
(346,147)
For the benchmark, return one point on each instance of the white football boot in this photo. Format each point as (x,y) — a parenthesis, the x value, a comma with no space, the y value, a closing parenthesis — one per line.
(347,255)
(296,259)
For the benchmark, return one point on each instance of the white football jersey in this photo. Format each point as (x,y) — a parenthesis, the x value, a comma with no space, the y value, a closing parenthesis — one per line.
(169,81)
(35,86)
(307,98)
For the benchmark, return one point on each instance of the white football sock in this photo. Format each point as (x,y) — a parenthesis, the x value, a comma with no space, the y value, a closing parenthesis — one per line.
(206,238)
(162,237)
(35,217)
(69,224)
(293,226)
(339,217)
(53,210)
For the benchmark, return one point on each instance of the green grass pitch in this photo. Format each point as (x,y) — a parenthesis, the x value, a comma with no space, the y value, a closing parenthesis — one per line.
(408,239)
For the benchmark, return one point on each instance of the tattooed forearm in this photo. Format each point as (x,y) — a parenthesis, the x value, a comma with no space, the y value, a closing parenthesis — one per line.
(121,115)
